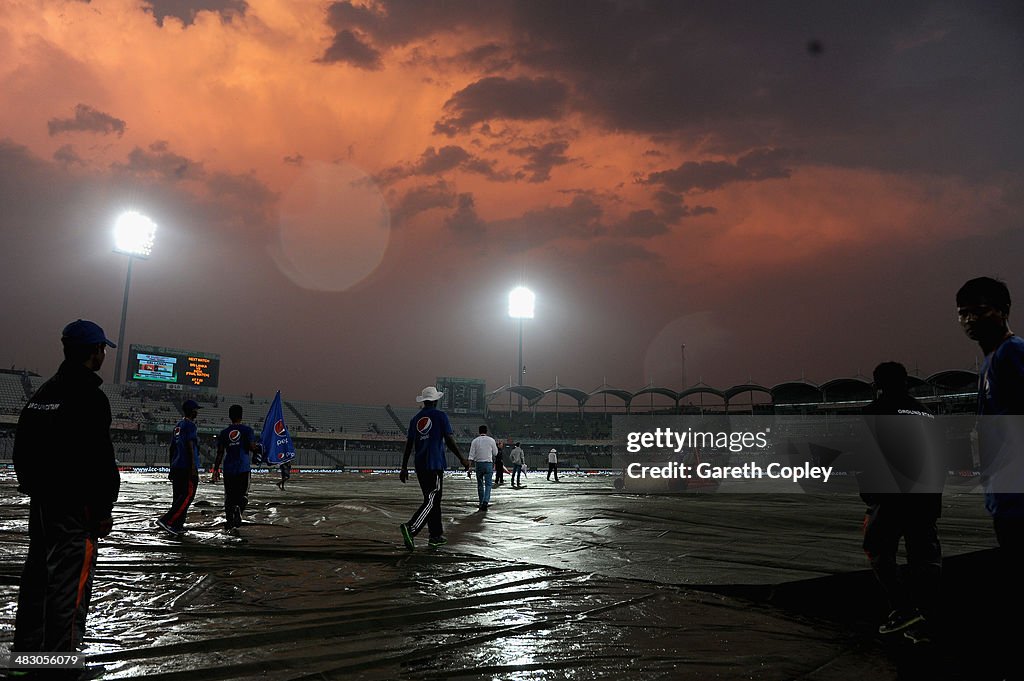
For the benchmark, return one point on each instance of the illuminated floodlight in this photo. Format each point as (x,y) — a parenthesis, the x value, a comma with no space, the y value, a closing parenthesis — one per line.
(520,303)
(134,234)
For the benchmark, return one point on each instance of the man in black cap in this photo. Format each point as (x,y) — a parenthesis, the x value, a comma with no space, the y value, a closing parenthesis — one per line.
(184,476)
(65,461)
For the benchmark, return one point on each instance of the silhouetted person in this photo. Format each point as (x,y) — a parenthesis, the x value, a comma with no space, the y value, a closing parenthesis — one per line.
(430,432)
(65,462)
(235,447)
(553,464)
(983,308)
(184,475)
(907,507)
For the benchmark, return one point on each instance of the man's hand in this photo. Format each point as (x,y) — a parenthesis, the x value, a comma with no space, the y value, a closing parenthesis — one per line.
(404,474)
(216,475)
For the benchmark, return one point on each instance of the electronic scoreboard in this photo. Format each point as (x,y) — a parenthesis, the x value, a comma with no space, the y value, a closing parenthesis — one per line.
(173,367)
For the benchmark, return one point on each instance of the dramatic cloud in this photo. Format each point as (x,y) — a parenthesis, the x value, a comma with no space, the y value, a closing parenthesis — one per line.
(497,98)
(465,222)
(67,154)
(636,162)
(420,199)
(581,219)
(186,10)
(159,162)
(448,158)
(761,164)
(87,119)
(542,159)
(642,224)
(350,48)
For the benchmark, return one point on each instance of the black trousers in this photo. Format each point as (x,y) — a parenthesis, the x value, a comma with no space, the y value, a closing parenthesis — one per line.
(884,525)
(236,492)
(184,491)
(56,582)
(429,512)
(553,468)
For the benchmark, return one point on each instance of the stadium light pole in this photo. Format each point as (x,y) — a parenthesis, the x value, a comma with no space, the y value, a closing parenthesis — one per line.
(520,306)
(133,236)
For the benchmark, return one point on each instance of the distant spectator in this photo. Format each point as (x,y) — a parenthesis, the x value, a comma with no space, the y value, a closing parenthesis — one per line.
(482,452)
(553,464)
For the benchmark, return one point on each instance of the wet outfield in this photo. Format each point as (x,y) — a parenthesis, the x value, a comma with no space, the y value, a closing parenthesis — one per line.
(555,581)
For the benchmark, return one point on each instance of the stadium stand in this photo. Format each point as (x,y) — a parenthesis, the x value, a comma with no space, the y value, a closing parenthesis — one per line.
(338,435)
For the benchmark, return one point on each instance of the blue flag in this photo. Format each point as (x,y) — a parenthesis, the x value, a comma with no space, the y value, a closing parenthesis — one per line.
(277,443)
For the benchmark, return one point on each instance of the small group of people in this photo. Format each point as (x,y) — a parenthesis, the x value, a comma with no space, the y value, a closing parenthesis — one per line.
(910,512)
(236,445)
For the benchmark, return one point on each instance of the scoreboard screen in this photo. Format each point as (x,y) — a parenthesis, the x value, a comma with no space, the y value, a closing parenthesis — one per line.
(462,395)
(170,366)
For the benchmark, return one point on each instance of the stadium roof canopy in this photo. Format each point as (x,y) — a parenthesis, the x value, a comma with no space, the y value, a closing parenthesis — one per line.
(655,390)
(854,389)
(701,389)
(575,394)
(847,390)
(954,380)
(623,395)
(796,392)
(745,388)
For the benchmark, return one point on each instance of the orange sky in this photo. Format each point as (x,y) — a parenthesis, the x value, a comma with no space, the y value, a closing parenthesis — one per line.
(580,158)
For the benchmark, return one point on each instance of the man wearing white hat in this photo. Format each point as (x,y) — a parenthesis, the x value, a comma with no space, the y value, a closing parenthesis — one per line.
(429,432)
(553,464)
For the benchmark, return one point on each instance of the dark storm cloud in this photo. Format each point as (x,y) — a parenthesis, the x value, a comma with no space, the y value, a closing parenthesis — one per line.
(912,85)
(672,207)
(581,219)
(465,222)
(436,161)
(87,119)
(159,162)
(186,10)
(67,155)
(757,165)
(420,199)
(642,224)
(491,98)
(391,24)
(234,200)
(349,48)
(542,159)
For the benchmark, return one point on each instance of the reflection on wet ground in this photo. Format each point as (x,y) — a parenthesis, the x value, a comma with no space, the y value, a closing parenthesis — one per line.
(554,581)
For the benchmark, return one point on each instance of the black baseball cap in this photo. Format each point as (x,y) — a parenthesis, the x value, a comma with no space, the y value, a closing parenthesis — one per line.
(83,332)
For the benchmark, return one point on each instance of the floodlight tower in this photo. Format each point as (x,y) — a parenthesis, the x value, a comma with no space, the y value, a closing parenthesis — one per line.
(520,306)
(133,235)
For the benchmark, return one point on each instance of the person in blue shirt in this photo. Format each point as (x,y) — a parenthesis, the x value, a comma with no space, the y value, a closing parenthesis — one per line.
(184,476)
(429,433)
(235,444)
(983,309)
